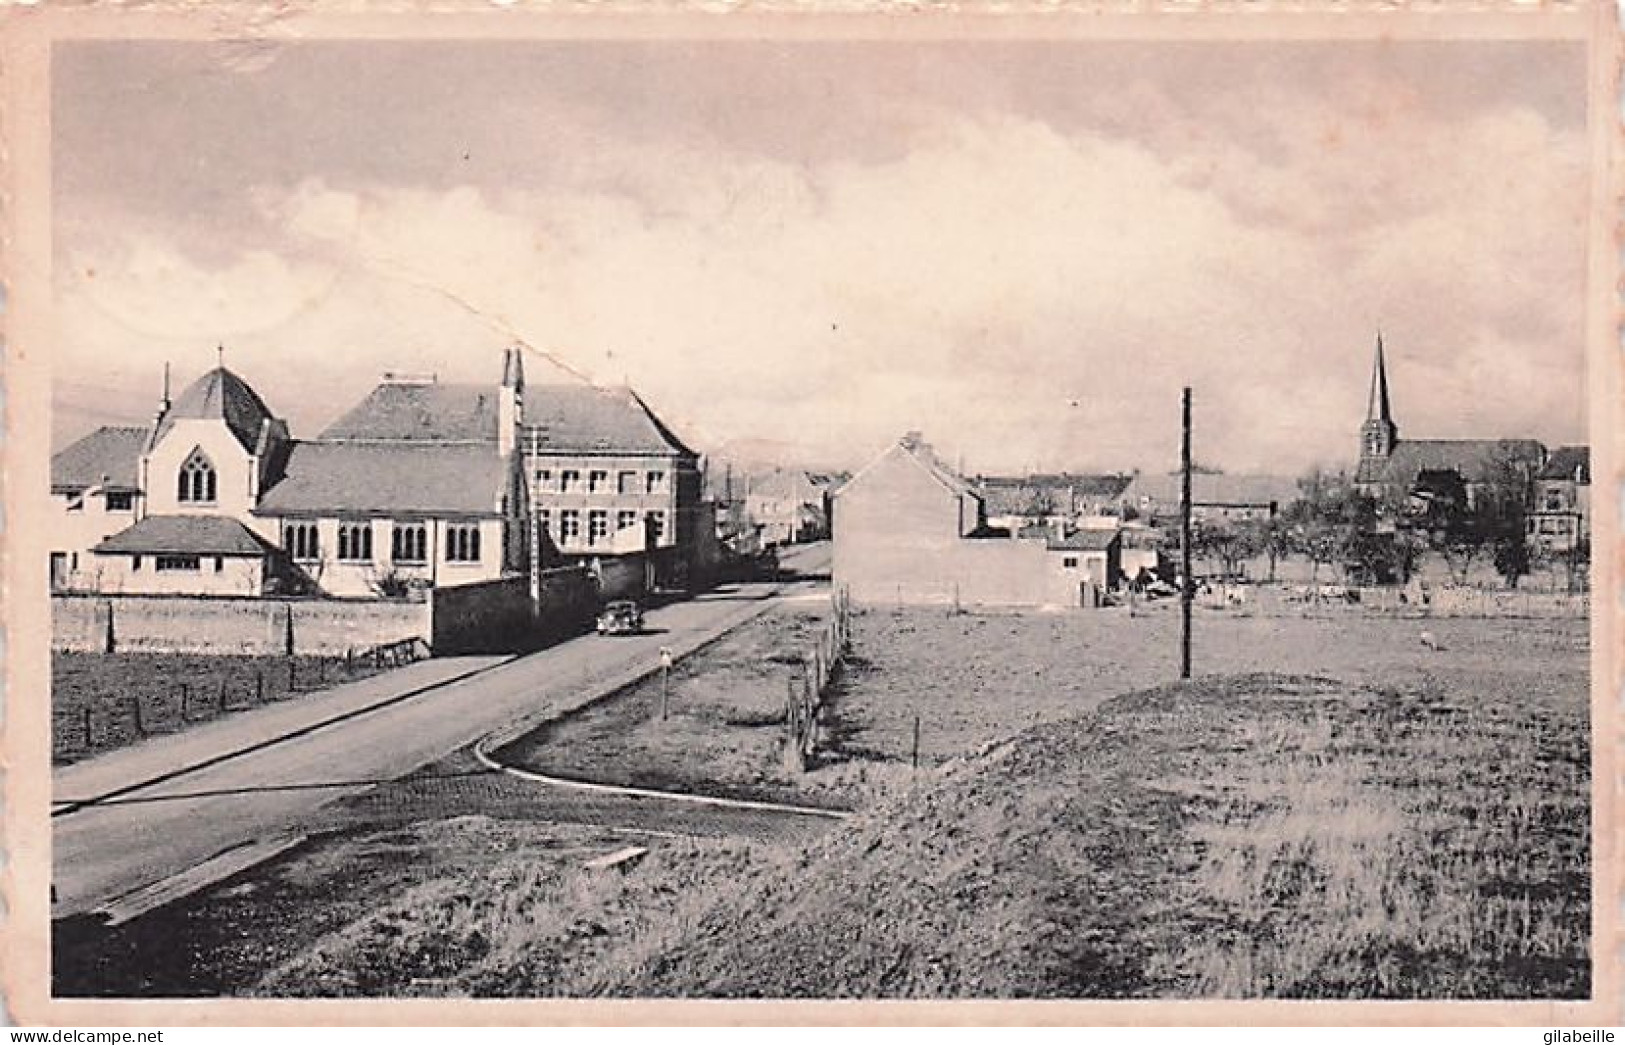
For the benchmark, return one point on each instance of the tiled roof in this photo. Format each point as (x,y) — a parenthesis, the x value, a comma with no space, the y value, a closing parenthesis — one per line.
(388,478)
(588,419)
(1210,489)
(111,452)
(1475,460)
(1006,495)
(421,411)
(1085,541)
(221,395)
(185,535)
(1569,462)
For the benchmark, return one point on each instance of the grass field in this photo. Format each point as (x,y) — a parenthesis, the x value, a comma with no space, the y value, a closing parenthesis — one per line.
(1340,811)
(971,679)
(94,695)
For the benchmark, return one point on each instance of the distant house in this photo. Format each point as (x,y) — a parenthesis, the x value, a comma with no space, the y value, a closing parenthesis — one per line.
(1215,496)
(223,501)
(1560,518)
(1016,501)
(910,530)
(789,505)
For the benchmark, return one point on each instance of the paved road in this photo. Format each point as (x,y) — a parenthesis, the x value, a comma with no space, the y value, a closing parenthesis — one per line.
(263,771)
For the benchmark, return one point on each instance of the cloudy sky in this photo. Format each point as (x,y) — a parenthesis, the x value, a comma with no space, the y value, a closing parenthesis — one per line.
(1022,249)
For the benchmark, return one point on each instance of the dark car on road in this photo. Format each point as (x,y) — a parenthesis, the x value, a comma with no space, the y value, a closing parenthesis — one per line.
(622,617)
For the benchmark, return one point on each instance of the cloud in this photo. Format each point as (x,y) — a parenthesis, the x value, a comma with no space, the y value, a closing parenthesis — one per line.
(973,284)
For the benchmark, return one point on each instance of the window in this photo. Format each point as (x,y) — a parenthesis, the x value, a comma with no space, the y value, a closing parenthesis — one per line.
(656,522)
(409,542)
(544,521)
(188,563)
(355,542)
(597,481)
(219,563)
(569,526)
(1070,562)
(299,541)
(195,484)
(597,525)
(569,480)
(626,482)
(654,482)
(120,501)
(1554,500)
(625,519)
(463,543)
(135,563)
(544,478)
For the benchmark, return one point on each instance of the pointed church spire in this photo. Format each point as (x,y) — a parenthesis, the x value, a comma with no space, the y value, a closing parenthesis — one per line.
(1377,407)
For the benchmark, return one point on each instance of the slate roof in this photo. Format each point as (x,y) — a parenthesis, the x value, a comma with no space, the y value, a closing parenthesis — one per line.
(588,419)
(388,478)
(1085,541)
(1569,462)
(108,451)
(185,535)
(421,411)
(1475,460)
(220,395)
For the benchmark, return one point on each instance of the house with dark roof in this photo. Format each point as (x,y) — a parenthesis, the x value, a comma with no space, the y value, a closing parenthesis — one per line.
(95,493)
(1560,516)
(1215,496)
(1041,499)
(414,485)
(1396,470)
(607,477)
(910,530)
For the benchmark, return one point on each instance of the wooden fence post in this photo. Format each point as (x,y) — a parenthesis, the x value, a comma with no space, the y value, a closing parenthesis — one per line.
(222,700)
(110,639)
(135,714)
(186,710)
(90,743)
(259,686)
(914,757)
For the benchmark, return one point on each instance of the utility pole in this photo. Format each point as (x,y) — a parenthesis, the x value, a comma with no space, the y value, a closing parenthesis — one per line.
(1187,585)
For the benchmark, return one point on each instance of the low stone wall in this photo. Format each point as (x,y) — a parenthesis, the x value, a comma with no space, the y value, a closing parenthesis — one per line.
(231,625)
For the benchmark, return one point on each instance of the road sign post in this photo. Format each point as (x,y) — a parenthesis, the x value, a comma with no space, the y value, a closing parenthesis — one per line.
(665,680)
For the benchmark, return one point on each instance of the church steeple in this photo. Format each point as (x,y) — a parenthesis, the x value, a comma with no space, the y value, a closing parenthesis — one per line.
(1379,433)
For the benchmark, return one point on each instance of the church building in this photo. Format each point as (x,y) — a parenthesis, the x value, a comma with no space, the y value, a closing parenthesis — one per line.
(1398,470)
(215,498)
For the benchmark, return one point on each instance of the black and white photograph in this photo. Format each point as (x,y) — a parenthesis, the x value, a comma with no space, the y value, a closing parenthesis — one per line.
(947,508)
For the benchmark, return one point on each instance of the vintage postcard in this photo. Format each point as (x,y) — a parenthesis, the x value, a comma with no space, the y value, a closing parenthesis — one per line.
(537,514)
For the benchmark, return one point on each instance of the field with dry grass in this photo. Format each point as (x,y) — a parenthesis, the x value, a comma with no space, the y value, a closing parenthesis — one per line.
(1369,818)
(102,701)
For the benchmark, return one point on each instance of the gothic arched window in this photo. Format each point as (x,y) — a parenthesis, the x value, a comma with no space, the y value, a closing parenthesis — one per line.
(196,482)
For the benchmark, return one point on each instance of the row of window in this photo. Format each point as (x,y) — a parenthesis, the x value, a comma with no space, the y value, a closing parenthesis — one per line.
(408,545)
(176,563)
(569,480)
(569,524)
